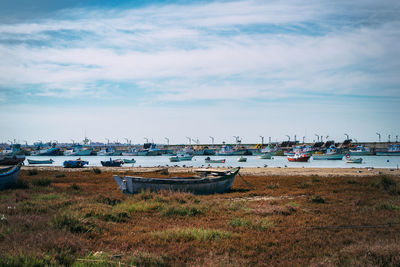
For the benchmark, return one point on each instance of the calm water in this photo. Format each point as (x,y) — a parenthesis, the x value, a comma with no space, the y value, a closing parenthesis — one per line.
(252,161)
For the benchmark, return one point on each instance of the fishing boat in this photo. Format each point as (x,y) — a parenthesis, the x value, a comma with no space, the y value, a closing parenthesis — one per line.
(242,159)
(112,163)
(75,163)
(332,153)
(181,157)
(33,161)
(209,160)
(12,160)
(265,156)
(354,160)
(393,150)
(131,161)
(360,151)
(9,176)
(299,157)
(53,151)
(208,182)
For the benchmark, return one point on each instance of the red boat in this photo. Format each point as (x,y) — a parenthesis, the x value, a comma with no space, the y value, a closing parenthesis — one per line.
(299,157)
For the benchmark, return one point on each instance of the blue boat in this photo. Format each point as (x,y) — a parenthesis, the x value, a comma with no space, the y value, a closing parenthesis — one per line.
(112,163)
(75,163)
(9,176)
(33,161)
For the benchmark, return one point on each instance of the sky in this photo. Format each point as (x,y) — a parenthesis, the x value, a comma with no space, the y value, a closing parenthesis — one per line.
(194,69)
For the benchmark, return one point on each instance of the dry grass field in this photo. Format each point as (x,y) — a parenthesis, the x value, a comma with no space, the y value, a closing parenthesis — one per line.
(81,218)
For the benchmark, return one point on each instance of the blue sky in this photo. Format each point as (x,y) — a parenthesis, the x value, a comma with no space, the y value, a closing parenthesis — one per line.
(155,69)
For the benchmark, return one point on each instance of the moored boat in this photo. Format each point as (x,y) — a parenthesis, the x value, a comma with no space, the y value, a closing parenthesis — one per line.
(181,157)
(242,159)
(9,176)
(332,153)
(130,161)
(33,161)
(75,163)
(112,163)
(210,182)
(393,150)
(265,156)
(209,160)
(299,157)
(354,160)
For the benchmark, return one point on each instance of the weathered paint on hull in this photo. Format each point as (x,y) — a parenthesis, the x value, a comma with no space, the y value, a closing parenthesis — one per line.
(221,184)
(9,176)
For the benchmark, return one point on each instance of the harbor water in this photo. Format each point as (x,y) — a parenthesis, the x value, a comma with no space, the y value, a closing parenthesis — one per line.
(231,161)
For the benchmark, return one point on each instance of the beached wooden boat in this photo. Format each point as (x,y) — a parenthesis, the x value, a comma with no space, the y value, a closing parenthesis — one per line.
(12,160)
(242,159)
(209,160)
(9,176)
(112,163)
(299,157)
(75,163)
(209,182)
(130,161)
(33,161)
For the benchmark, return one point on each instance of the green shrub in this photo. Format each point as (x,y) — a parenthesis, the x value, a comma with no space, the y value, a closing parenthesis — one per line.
(75,187)
(72,222)
(96,170)
(273,186)
(42,182)
(318,199)
(387,206)
(108,201)
(181,211)
(352,181)
(32,172)
(190,234)
(388,184)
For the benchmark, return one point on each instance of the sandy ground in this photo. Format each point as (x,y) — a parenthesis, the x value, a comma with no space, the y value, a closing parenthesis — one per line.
(272,171)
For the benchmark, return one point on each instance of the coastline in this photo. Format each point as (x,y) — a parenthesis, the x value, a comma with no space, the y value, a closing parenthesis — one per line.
(251,171)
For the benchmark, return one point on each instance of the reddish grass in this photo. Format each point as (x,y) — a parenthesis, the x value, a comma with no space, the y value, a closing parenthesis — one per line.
(276,225)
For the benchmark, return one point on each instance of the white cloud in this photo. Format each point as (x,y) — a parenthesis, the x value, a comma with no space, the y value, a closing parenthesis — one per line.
(186,45)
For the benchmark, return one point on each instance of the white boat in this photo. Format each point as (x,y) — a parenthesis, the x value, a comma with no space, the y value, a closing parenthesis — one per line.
(360,151)
(265,156)
(181,157)
(393,150)
(354,160)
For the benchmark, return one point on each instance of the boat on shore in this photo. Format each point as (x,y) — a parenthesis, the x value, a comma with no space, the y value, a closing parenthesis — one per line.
(9,176)
(75,163)
(209,182)
(299,157)
(33,161)
(112,163)
(209,160)
(12,160)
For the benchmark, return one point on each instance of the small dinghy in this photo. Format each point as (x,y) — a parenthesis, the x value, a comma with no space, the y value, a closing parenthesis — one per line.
(32,161)
(112,163)
(242,159)
(75,163)
(130,161)
(209,160)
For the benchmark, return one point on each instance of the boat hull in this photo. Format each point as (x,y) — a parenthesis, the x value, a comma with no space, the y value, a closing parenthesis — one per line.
(195,185)
(9,176)
(32,161)
(388,153)
(75,163)
(214,161)
(327,157)
(359,160)
(12,160)
(298,159)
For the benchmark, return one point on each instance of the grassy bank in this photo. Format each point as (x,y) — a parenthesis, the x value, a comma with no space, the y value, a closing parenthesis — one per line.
(82,218)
